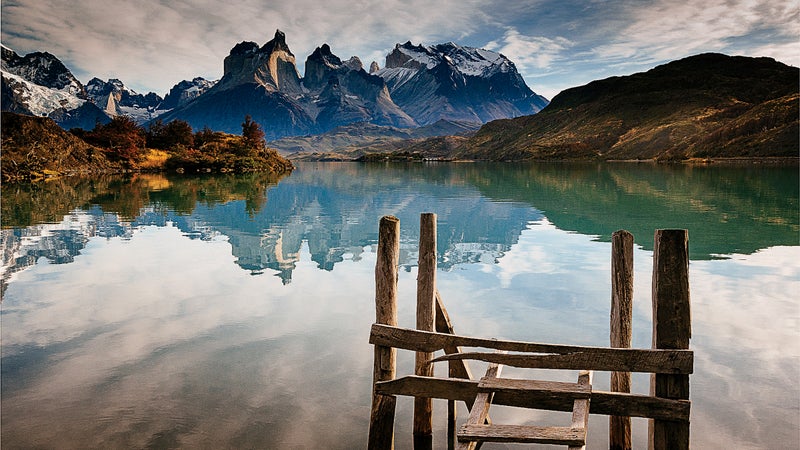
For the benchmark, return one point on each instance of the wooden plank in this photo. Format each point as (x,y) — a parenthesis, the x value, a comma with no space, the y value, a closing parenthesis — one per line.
(580,409)
(522,434)
(555,357)
(456,369)
(619,427)
(426,314)
(381,425)
(672,329)
(480,408)
(542,387)
(644,361)
(607,403)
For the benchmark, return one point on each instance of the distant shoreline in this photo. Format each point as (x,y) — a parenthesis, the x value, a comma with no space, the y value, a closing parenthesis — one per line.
(728,160)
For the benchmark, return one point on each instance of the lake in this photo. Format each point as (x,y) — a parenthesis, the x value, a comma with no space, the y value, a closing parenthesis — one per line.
(233,311)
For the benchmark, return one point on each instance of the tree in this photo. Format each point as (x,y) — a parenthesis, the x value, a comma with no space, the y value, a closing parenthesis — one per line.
(179,132)
(252,134)
(155,134)
(165,137)
(121,137)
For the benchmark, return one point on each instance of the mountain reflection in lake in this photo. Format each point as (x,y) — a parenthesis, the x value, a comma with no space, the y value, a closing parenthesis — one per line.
(131,317)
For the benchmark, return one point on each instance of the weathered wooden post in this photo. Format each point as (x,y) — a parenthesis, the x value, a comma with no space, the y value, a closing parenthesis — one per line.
(426,314)
(381,423)
(619,428)
(672,329)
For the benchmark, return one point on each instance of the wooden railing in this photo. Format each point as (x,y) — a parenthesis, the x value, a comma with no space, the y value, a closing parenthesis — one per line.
(669,361)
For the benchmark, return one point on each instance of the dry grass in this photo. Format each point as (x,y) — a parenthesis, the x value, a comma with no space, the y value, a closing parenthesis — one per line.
(153,159)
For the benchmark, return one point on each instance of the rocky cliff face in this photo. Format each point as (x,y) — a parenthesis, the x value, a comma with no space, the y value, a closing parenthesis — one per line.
(261,82)
(271,66)
(39,84)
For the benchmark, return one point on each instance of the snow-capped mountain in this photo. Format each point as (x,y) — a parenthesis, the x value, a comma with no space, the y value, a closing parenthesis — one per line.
(342,92)
(39,84)
(419,86)
(263,82)
(43,69)
(185,91)
(115,99)
(449,81)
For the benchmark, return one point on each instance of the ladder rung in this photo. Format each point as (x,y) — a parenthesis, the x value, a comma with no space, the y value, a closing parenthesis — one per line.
(555,388)
(523,434)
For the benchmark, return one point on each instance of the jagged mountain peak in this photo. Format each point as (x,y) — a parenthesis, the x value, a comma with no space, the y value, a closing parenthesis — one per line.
(43,69)
(112,85)
(244,47)
(419,85)
(39,84)
(469,61)
(271,66)
(456,82)
(185,91)
(114,98)
(278,43)
(354,63)
(323,54)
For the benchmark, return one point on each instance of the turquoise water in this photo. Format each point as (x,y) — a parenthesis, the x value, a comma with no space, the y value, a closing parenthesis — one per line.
(234,311)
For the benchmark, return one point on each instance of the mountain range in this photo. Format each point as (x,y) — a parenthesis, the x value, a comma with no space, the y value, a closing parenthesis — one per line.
(418,86)
(445,102)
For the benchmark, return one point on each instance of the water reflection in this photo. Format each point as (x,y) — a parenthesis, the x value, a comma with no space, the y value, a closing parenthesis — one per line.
(153,336)
(482,209)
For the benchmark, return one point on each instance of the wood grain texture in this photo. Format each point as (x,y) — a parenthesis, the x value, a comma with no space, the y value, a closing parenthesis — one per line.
(571,356)
(607,403)
(580,410)
(480,409)
(426,317)
(619,427)
(672,329)
(523,434)
(381,425)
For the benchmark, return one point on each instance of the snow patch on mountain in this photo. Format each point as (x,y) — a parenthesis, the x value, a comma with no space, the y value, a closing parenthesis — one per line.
(470,61)
(40,100)
(116,99)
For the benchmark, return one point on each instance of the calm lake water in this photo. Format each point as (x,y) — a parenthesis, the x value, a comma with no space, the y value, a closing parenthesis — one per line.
(154,311)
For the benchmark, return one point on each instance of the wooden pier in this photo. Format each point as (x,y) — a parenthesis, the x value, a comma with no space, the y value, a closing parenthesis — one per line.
(669,361)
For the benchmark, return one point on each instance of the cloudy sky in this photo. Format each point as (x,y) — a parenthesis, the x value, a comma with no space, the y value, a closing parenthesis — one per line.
(151,45)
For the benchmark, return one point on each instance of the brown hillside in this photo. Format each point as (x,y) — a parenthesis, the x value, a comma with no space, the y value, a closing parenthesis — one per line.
(707,105)
(35,147)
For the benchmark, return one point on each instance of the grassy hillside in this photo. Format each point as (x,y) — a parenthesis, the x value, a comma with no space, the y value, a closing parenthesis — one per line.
(708,105)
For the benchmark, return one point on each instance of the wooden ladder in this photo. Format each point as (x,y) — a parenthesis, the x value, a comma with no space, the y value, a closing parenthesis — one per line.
(476,430)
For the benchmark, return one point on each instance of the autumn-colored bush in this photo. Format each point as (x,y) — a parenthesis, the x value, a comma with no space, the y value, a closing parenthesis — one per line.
(122,139)
(166,136)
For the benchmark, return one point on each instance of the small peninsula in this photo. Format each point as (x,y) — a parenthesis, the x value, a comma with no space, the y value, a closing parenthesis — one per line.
(37,148)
